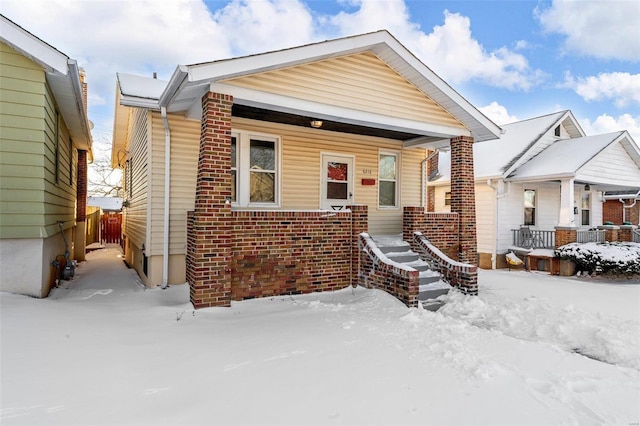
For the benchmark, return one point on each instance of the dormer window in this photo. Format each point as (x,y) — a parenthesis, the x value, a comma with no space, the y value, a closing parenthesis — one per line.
(556,132)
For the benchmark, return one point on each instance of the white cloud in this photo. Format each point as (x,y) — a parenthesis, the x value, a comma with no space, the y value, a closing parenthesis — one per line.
(607,124)
(255,26)
(443,48)
(602,29)
(498,113)
(621,87)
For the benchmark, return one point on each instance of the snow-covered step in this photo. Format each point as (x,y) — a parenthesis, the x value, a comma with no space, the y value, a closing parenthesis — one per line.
(428,277)
(430,292)
(403,256)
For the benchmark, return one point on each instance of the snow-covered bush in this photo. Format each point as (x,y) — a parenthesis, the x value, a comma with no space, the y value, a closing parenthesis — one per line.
(603,258)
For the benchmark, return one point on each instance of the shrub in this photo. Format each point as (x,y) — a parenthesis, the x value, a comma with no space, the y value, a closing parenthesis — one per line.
(603,258)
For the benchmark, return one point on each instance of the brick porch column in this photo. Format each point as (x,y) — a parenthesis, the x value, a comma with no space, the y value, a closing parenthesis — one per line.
(463,197)
(210,242)
(565,235)
(432,169)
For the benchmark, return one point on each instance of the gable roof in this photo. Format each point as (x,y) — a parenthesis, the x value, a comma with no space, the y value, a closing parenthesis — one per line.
(565,157)
(499,157)
(184,91)
(62,74)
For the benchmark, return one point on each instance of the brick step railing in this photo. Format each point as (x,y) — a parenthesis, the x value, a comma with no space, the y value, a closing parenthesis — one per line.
(388,263)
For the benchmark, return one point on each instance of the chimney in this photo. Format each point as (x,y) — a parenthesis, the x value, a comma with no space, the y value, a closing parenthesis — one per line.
(155,75)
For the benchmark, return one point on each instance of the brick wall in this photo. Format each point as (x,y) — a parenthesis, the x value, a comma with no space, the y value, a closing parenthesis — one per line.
(398,280)
(441,229)
(284,252)
(463,197)
(565,235)
(626,233)
(81,187)
(612,212)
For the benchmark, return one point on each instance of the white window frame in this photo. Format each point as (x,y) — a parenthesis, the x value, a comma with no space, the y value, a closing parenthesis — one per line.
(535,206)
(243,175)
(397,180)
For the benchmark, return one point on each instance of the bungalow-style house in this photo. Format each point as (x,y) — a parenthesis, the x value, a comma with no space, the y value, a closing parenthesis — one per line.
(621,207)
(250,176)
(45,145)
(543,174)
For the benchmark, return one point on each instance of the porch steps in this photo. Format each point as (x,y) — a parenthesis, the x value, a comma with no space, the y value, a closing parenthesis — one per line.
(431,286)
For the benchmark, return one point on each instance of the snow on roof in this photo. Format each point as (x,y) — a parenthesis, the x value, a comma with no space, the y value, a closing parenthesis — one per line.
(565,156)
(140,87)
(492,158)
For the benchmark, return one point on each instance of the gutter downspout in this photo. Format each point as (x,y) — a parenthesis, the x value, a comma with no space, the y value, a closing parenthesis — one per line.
(494,251)
(625,206)
(167,188)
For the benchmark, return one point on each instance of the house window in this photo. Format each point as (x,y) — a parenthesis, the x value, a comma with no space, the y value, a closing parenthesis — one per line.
(447,198)
(556,131)
(388,180)
(255,167)
(585,207)
(530,207)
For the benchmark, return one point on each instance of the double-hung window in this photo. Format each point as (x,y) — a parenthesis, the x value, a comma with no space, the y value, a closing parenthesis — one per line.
(255,165)
(388,180)
(530,207)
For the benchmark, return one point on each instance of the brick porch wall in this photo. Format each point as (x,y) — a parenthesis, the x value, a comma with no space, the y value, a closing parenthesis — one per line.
(441,229)
(290,252)
(565,235)
(612,212)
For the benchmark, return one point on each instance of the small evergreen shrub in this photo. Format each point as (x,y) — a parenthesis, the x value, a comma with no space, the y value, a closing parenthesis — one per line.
(618,258)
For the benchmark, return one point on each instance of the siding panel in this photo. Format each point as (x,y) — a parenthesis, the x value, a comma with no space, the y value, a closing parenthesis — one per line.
(360,81)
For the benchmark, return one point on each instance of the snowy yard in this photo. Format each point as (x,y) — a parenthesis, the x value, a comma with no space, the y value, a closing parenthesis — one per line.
(531,349)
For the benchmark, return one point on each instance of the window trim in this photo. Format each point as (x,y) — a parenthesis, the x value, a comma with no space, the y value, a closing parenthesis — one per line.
(395,154)
(583,210)
(243,172)
(535,207)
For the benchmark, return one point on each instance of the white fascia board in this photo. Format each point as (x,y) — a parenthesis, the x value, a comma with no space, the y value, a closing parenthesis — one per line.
(134,101)
(441,85)
(254,64)
(32,47)
(290,105)
(541,178)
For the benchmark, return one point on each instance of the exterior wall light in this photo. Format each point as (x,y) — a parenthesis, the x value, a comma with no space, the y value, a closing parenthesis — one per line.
(316,124)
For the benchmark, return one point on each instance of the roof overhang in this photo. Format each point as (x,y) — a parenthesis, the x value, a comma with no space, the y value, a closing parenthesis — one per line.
(63,77)
(188,84)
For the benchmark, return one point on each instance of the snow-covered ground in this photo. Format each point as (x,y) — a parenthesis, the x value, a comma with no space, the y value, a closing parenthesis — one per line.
(531,349)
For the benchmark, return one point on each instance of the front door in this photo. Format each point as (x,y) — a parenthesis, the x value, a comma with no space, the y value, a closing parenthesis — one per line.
(337,182)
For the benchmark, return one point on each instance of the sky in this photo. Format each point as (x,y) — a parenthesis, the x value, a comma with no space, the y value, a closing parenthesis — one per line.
(512,60)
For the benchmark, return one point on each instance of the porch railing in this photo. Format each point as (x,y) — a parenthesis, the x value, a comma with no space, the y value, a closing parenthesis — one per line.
(636,236)
(534,239)
(590,236)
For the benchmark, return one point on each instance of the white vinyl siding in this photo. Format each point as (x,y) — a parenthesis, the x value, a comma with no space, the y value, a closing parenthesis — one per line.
(361,81)
(614,157)
(485,217)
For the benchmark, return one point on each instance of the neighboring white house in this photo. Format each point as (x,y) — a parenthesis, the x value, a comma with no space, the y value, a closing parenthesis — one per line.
(543,172)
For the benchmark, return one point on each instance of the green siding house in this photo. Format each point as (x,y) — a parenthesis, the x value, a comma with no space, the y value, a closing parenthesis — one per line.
(45,143)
